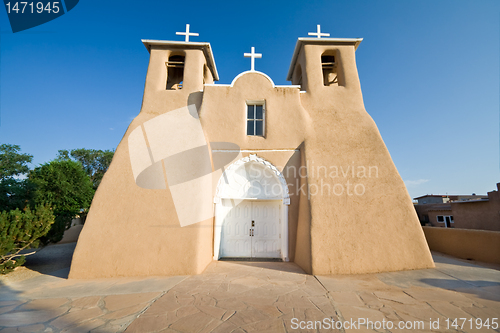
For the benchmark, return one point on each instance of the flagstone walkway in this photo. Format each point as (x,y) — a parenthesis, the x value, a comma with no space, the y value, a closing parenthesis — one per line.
(256,297)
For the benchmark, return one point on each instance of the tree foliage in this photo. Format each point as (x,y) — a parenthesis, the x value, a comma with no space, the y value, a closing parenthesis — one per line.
(64,185)
(14,189)
(61,190)
(20,230)
(13,163)
(95,162)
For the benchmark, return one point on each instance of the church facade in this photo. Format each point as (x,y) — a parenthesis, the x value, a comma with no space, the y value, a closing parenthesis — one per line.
(251,170)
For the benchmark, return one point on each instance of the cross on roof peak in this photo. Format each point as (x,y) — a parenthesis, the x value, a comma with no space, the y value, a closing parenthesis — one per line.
(318,33)
(252,55)
(187,33)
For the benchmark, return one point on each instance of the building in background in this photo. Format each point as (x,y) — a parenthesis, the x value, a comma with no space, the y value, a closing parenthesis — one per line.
(480,212)
(439,199)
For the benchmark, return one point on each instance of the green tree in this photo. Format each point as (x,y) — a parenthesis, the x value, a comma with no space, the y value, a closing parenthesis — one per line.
(94,162)
(20,230)
(14,189)
(64,185)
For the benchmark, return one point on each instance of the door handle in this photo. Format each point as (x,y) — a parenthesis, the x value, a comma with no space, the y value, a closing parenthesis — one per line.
(250,232)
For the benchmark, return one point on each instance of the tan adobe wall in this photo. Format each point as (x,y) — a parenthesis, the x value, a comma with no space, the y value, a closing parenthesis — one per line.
(303,247)
(477,245)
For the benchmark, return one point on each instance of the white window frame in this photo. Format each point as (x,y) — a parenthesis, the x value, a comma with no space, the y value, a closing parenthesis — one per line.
(256,102)
(444,219)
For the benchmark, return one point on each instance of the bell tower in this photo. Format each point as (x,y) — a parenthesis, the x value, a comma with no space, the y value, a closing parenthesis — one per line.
(341,134)
(319,65)
(176,70)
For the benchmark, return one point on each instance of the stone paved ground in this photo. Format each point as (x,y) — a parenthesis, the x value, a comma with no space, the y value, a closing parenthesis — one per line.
(253,297)
(52,304)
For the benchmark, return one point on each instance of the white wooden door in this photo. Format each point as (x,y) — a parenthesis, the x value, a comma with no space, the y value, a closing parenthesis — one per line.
(266,234)
(251,229)
(235,234)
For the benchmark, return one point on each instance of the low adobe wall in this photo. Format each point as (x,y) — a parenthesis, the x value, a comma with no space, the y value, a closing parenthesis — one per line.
(480,245)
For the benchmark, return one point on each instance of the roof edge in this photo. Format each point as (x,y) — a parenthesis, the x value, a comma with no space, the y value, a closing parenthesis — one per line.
(205,46)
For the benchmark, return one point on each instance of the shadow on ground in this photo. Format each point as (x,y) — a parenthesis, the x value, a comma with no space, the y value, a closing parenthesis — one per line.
(54,260)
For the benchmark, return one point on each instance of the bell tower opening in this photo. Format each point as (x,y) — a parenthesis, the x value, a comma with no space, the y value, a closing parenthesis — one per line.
(175,72)
(329,67)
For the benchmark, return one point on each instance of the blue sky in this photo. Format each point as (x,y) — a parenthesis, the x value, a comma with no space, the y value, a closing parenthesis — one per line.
(429,72)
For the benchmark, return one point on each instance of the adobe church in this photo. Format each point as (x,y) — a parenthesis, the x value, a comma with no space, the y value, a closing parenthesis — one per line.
(251,170)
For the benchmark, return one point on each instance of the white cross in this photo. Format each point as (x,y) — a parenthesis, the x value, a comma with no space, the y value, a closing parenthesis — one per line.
(187,33)
(253,55)
(319,33)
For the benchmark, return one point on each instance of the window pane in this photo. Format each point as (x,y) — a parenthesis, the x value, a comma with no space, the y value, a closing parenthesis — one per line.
(258,127)
(250,112)
(258,109)
(250,127)
(440,218)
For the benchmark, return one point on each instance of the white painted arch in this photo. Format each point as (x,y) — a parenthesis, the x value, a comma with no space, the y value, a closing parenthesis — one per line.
(254,72)
(252,178)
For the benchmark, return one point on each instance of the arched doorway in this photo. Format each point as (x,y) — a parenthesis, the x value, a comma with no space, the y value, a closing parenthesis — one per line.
(251,211)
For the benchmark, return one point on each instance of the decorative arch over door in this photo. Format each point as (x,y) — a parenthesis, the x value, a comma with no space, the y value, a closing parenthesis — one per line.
(251,205)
